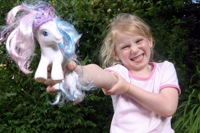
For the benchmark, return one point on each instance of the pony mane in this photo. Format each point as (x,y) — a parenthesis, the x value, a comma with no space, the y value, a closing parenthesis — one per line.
(19,32)
(70,38)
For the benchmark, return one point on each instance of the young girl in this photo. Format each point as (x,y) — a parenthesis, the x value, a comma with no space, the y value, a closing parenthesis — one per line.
(144,94)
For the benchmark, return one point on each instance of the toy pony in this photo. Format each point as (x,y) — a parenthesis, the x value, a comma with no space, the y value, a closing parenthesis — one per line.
(57,41)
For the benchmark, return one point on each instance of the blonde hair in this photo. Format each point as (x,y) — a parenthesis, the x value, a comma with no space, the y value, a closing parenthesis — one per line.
(126,23)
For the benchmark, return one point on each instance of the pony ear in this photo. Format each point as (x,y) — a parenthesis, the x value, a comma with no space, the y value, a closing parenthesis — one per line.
(77,38)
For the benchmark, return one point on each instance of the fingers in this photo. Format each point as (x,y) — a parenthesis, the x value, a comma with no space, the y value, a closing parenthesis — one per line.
(50,89)
(120,87)
(106,91)
(110,91)
(50,82)
(113,72)
(71,65)
(49,72)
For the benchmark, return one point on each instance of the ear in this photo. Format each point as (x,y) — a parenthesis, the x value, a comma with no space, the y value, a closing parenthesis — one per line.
(115,56)
(151,42)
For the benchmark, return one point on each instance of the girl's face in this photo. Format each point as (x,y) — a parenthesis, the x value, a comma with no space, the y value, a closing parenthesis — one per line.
(133,50)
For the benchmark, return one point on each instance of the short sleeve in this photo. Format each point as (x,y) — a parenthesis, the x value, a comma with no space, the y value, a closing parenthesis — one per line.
(121,70)
(169,77)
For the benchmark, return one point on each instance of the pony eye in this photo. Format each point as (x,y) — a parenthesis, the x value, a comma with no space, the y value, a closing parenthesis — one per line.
(45,33)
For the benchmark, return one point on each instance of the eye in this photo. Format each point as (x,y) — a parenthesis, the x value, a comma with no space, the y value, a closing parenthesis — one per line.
(125,47)
(45,33)
(139,40)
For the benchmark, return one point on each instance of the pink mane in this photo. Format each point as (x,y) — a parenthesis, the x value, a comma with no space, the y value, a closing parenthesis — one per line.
(19,33)
(20,43)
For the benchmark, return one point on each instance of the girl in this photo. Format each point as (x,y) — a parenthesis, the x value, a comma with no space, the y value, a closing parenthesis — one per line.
(144,94)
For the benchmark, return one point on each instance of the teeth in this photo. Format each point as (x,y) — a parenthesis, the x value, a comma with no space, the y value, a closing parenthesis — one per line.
(139,58)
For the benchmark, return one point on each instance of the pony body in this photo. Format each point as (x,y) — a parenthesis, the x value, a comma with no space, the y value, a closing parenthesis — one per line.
(49,37)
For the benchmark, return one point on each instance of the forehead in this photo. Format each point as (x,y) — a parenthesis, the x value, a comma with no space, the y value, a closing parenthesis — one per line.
(47,25)
(126,38)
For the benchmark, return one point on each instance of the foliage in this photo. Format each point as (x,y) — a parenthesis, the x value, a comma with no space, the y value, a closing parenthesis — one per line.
(24,106)
(187,116)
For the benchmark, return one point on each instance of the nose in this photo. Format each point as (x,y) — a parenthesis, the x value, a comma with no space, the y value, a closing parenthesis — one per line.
(134,49)
(59,36)
(56,33)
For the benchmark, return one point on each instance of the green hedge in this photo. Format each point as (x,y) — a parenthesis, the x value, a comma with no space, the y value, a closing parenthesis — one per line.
(24,107)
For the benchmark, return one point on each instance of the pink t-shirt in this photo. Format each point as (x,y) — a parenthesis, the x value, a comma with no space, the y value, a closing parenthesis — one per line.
(130,116)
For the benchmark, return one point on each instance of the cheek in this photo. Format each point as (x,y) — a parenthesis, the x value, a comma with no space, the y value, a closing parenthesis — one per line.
(149,51)
(45,39)
(145,46)
(125,54)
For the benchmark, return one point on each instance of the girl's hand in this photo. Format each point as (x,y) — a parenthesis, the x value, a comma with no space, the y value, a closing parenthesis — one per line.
(121,87)
(71,65)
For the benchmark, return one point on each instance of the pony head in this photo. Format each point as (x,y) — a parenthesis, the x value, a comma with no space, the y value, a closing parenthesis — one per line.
(20,32)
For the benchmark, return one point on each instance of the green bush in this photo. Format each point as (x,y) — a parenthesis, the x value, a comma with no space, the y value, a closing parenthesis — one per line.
(24,106)
(188,114)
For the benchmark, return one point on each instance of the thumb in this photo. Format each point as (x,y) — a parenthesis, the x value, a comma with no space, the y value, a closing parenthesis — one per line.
(71,65)
(115,74)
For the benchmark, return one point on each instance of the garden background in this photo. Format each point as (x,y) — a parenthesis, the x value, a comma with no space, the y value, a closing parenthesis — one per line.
(175,26)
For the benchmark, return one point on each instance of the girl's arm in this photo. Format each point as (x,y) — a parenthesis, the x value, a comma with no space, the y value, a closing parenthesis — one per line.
(97,75)
(164,104)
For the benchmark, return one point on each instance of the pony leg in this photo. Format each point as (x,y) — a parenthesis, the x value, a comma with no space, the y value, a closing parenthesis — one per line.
(41,72)
(57,72)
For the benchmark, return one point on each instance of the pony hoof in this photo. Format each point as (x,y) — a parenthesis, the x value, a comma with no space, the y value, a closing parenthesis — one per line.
(40,80)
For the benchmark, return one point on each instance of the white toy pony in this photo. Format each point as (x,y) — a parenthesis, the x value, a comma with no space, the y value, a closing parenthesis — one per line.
(57,41)
(48,37)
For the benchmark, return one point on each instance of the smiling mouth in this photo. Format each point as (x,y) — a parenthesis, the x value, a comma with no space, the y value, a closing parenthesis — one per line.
(58,42)
(138,59)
